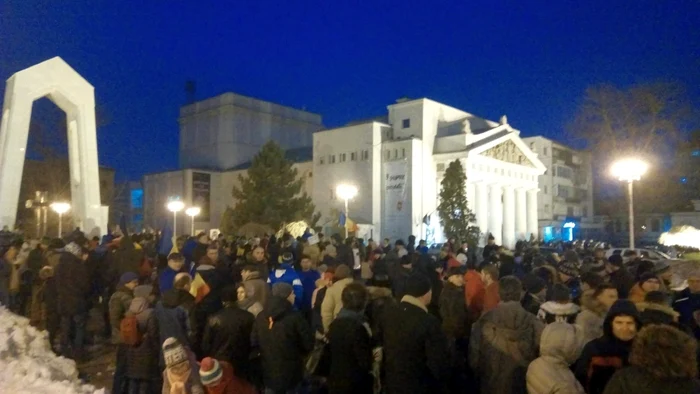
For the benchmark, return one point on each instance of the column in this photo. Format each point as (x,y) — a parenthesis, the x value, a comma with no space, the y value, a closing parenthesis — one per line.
(482,207)
(520,214)
(496,212)
(509,217)
(532,224)
(471,196)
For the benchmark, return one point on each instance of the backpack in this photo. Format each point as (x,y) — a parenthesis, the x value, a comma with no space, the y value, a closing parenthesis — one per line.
(129,331)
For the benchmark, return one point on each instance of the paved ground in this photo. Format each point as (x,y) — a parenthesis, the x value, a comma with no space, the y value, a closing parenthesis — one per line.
(98,370)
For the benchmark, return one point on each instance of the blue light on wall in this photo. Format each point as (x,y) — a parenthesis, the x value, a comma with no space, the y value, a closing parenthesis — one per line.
(684,180)
(696,153)
(548,235)
(137,198)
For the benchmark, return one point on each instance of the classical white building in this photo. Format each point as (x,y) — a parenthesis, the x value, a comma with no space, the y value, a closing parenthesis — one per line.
(565,205)
(397,163)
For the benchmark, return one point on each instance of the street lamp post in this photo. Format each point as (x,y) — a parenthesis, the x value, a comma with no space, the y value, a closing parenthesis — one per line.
(629,170)
(175,206)
(60,208)
(192,212)
(346,192)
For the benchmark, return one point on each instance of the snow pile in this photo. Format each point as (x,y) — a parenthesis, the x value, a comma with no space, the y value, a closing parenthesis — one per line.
(27,364)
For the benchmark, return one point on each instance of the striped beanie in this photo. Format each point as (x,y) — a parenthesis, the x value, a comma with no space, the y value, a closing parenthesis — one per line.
(595,267)
(210,372)
(173,352)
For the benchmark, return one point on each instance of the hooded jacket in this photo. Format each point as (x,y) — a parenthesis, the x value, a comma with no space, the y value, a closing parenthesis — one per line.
(142,359)
(453,311)
(603,356)
(686,303)
(173,319)
(73,285)
(560,346)
(285,273)
(261,289)
(591,317)
(332,302)
(502,345)
(118,306)
(284,339)
(663,360)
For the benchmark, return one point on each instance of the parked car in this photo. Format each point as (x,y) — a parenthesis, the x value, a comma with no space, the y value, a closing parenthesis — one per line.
(647,254)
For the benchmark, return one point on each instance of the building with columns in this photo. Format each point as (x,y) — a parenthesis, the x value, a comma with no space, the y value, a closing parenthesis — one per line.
(398,161)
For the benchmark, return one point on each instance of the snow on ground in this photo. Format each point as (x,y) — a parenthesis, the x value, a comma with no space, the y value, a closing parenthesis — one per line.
(27,364)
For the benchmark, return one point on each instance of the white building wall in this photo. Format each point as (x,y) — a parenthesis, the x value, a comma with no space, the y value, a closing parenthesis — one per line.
(228,130)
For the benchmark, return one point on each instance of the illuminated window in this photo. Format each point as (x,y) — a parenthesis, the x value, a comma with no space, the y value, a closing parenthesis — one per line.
(137,198)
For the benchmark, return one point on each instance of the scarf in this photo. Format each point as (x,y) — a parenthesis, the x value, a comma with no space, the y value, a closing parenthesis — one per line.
(246,303)
(178,379)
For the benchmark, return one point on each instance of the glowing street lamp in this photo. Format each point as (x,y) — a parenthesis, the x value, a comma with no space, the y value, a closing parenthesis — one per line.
(629,170)
(192,212)
(60,208)
(346,192)
(175,206)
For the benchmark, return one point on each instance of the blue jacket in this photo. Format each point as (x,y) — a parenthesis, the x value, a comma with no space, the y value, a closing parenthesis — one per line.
(285,273)
(308,281)
(166,279)
(686,303)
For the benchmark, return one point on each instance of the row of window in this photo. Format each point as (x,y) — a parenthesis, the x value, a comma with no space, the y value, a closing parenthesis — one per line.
(570,211)
(343,157)
(387,154)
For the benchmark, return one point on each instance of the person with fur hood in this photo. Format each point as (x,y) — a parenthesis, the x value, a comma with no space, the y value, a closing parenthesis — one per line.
(595,304)
(560,346)
(559,308)
(663,360)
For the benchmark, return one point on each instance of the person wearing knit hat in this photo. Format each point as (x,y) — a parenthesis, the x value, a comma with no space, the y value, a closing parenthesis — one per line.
(620,277)
(178,376)
(535,293)
(283,290)
(218,378)
(286,273)
(414,334)
(646,283)
(568,274)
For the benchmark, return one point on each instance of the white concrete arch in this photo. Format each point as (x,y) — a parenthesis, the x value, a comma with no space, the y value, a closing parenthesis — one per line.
(54,79)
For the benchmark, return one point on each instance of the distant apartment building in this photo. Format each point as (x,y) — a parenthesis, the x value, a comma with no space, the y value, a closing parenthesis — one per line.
(565,204)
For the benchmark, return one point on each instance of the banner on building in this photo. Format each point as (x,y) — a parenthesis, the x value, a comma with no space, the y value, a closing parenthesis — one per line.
(201,194)
(397,209)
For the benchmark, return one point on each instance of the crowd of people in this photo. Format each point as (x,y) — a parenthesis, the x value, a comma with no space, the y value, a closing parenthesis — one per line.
(326,314)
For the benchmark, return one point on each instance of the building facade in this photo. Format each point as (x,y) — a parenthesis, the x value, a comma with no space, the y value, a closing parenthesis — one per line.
(226,131)
(397,164)
(565,206)
(128,203)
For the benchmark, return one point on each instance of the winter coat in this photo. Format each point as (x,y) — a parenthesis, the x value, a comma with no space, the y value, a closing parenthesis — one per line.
(453,311)
(560,346)
(552,311)
(603,356)
(350,350)
(398,275)
(686,303)
(262,290)
(531,303)
(142,359)
(199,251)
(73,285)
(286,274)
(491,297)
(127,258)
(314,254)
(591,317)
(503,343)
(658,365)
(227,337)
(173,319)
(623,281)
(474,291)
(118,306)
(332,302)
(208,306)
(284,339)
(308,282)
(415,349)
(636,294)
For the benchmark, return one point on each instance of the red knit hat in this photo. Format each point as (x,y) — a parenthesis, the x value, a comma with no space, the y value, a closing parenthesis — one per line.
(210,372)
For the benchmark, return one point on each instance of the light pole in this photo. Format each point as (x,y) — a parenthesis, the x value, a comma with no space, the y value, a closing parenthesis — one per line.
(192,212)
(175,206)
(346,192)
(629,170)
(60,208)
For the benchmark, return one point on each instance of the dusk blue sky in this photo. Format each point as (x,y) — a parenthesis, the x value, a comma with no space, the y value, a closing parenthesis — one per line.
(346,60)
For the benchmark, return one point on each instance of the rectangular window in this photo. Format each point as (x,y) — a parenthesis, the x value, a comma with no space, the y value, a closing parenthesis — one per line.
(321,160)
(341,157)
(365,155)
(545,189)
(137,198)
(565,172)
(544,152)
(387,154)
(403,152)
(331,159)
(353,156)
(396,153)
(406,123)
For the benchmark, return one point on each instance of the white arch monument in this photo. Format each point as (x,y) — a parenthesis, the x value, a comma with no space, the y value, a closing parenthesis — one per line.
(54,79)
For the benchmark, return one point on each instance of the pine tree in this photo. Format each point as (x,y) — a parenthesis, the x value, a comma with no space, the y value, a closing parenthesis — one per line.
(271,191)
(455,216)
